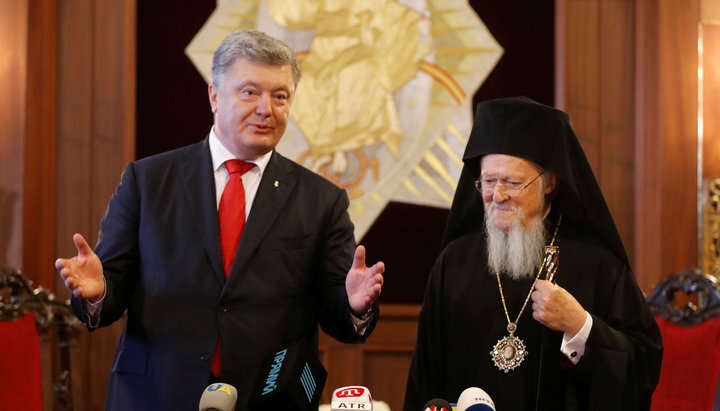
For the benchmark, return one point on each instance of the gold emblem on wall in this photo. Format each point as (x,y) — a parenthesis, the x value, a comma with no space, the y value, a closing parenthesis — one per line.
(382,108)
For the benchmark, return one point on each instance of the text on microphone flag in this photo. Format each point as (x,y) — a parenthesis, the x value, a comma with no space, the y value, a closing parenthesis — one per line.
(221,388)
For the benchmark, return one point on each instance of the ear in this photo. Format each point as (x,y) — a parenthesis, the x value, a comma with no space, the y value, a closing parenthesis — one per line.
(212,96)
(551,183)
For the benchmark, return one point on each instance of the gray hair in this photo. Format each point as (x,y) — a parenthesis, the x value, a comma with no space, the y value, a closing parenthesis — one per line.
(256,47)
(517,253)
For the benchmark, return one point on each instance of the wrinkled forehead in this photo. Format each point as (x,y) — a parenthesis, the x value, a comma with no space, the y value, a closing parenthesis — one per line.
(507,165)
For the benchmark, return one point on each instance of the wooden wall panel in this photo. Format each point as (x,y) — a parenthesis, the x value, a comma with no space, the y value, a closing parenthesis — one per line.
(595,84)
(648,183)
(630,86)
(27,149)
(617,116)
(75,135)
(710,10)
(382,363)
(96,138)
(40,143)
(582,75)
(13,80)
(666,138)
(75,127)
(710,88)
(386,372)
(678,85)
(711,99)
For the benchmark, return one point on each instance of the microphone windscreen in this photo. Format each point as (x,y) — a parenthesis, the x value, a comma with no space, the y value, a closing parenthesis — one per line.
(475,399)
(437,404)
(353,397)
(291,378)
(219,397)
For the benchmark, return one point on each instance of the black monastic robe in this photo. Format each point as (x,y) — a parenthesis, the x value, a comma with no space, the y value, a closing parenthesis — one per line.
(463,318)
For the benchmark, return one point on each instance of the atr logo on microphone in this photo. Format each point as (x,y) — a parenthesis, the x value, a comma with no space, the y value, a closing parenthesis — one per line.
(353,397)
(352,406)
(351,392)
(220,387)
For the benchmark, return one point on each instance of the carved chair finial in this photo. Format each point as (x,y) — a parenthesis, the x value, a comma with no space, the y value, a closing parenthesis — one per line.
(690,281)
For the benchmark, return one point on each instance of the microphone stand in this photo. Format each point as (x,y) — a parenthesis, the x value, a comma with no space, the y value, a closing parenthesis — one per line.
(552,255)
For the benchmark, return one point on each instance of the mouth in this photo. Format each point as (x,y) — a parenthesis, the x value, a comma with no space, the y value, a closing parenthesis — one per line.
(261,128)
(502,208)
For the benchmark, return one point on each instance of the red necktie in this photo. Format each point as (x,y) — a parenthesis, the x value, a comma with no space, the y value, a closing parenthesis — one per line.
(231,212)
(231,218)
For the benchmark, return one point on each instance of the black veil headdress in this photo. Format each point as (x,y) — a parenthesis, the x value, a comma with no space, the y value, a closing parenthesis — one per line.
(523,128)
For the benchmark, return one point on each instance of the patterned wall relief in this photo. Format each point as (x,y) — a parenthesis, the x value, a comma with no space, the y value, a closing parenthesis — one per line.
(384,105)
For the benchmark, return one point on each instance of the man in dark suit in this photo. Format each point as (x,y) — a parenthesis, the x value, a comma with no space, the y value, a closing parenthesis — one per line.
(165,253)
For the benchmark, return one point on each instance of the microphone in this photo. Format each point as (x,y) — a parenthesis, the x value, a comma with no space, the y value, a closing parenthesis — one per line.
(291,378)
(437,404)
(353,397)
(218,397)
(475,399)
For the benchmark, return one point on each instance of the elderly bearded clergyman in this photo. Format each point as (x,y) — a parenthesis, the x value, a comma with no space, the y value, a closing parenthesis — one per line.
(489,320)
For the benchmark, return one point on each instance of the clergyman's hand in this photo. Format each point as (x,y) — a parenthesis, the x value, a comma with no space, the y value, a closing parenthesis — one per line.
(557,309)
(363,284)
(82,274)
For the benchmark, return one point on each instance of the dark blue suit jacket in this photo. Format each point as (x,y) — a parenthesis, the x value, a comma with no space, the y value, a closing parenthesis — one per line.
(159,245)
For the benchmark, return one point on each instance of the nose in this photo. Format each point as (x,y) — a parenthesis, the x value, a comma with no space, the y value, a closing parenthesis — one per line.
(498,193)
(264,105)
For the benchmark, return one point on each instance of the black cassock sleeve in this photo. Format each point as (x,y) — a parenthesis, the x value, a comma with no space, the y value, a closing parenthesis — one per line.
(426,369)
(621,365)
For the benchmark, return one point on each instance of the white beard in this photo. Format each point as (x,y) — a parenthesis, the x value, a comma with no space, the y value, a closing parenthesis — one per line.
(517,254)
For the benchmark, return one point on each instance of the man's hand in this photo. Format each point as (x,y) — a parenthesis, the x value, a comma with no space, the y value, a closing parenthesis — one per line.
(556,309)
(83,274)
(363,284)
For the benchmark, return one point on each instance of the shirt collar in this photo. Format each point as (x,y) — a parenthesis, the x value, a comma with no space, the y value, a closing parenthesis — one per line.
(220,154)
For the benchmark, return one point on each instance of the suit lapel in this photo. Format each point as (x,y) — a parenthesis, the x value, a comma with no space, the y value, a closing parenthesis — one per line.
(273,192)
(199,183)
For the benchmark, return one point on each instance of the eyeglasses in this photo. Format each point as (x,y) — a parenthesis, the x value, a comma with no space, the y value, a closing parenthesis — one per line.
(488,185)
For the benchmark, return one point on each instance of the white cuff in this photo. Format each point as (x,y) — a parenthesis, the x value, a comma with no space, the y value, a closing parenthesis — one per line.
(92,310)
(574,347)
(361,324)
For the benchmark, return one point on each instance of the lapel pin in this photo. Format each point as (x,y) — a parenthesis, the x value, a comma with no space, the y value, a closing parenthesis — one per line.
(276,184)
